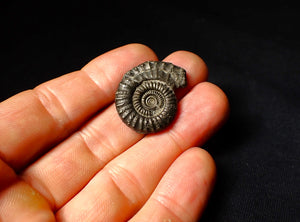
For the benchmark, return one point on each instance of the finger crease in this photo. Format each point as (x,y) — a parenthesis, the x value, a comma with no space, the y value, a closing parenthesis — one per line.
(92,140)
(47,98)
(173,207)
(87,146)
(174,137)
(108,81)
(135,195)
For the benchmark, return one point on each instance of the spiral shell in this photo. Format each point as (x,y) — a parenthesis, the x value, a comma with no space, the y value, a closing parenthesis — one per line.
(145,99)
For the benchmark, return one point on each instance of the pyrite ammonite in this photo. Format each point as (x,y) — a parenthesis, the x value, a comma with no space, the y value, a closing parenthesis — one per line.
(145,99)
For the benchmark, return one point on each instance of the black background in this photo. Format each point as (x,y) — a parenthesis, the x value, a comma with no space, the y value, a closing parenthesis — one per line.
(253,54)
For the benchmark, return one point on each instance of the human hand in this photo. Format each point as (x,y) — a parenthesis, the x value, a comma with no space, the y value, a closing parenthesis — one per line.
(63,159)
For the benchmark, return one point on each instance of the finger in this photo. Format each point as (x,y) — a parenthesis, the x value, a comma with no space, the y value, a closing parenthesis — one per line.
(193,64)
(67,169)
(182,193)
(18,201)
(33,120)
(121,188)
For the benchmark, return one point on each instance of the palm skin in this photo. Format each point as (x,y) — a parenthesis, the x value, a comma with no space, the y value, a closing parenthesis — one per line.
(67,156)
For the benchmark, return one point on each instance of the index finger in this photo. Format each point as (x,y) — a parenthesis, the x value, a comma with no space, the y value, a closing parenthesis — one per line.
(33,120)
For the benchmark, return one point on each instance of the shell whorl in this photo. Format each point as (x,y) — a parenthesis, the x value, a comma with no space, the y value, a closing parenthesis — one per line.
(145,99)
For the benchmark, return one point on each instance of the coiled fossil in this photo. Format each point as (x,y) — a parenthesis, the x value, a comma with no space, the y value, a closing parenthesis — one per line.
(145,99)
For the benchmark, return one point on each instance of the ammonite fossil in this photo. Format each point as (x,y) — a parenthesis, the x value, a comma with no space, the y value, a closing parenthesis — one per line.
(145,99)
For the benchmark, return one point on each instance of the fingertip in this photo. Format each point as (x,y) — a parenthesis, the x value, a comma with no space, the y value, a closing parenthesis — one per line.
(201,170)
(219,103)
(183,192)
(129,55)
(203,164)
(194,65)
(141,49)
(200,114)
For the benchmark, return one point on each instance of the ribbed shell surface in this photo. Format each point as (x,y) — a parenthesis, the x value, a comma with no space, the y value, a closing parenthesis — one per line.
(145,99)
